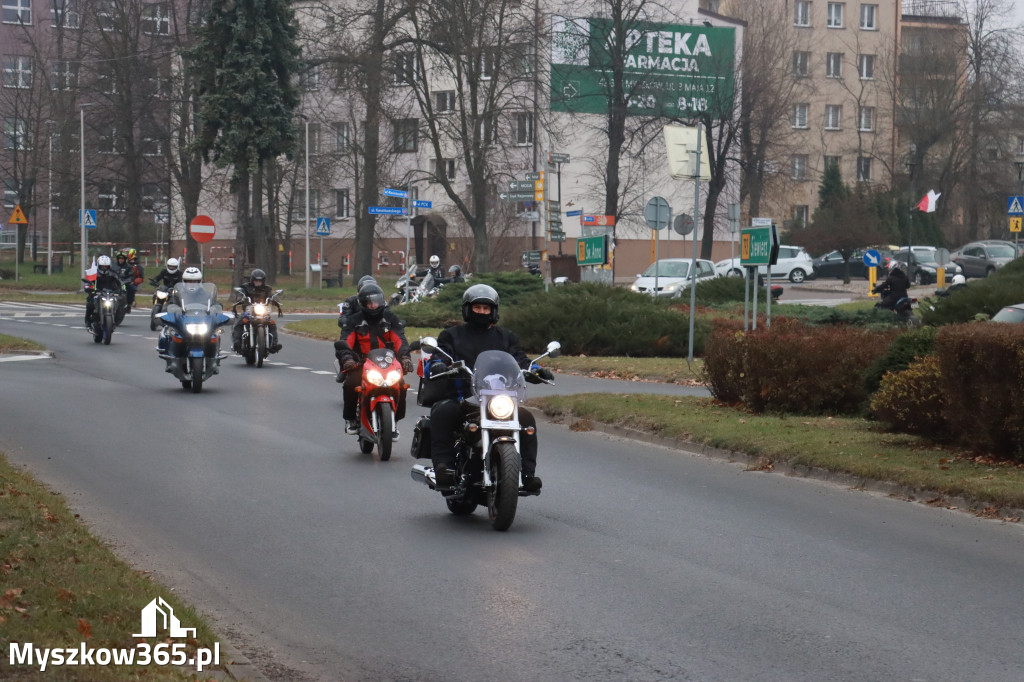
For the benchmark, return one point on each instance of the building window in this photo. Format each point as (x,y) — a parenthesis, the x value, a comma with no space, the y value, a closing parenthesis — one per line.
(863,168)
(342,204)
(17,11)
(1020,146)
(10,193)
(868,14)
(109,141)
(154,199)
(110,195)
(156,19)
(833,116)
(488,63)
(801,13)
(800,214)
(66,14)
(106,80)
(309,79)
(800,115)
(342,137)
(314,138)
(105,15)
(314,203)
(524,128)
(17,72)
(443,168)
(835,15)
(521,56)
(15,133)
(406,131)
(866,67)
(152,145)
(405,68)
(444,101)
(834,65)
(489,130)
(833,161)
(800,62)
(798,166)
(866,119)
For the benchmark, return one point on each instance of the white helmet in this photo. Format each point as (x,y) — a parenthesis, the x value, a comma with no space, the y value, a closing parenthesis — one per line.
(192,274)
(172,265)
(959,279)
(434,261)
(103,261)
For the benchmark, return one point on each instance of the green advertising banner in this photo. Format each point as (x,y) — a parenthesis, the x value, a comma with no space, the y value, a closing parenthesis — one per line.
(674,70)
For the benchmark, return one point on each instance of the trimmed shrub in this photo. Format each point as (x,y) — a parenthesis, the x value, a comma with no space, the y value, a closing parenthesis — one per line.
(912,400)
(986,296)
(905,348)
(594,319)
(792,367)
(446,307)
(982,367)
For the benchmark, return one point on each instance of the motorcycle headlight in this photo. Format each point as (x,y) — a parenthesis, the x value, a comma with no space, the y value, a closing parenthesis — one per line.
(197,329)
(393,377)
(260,309)
(501,407)
(107,302)
(161,295)
(375,377)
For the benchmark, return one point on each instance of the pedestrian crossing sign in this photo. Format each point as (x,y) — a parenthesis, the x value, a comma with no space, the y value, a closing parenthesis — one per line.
(88,218)
(18,217)
(1015,205)
(323,226)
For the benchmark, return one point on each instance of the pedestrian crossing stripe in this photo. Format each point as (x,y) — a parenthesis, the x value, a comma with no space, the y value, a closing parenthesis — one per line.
(1015,206)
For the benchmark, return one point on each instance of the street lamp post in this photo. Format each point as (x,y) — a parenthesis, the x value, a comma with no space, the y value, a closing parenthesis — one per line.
(911,165)
(81,153)
(49,201)
(308,273)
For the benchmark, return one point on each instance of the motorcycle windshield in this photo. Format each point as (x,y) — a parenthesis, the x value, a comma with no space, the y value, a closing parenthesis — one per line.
(427,284)
(197,297)
(496,370)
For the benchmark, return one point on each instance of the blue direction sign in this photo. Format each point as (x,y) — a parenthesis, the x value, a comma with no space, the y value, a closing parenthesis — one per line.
(570,214)
(323,226)
(1015,205)
(420,203)
(87,218)
(386,210)
(872,258)
(388,192)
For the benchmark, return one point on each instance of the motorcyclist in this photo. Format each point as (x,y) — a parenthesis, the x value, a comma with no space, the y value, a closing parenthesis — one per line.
(137,276)
(455,275)
(371,330)
(436,271)
(893,287)
(191,276)
(354,317)
(169,276)
(258,292)
(127,275)
(351,304)
(465,342)
(107,279)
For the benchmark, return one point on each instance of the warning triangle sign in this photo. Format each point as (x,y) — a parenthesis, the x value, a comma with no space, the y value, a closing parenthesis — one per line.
(1015,207)
(18,216)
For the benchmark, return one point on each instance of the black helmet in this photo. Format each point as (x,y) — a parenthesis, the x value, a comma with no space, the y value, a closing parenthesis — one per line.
(454,270)
(258,275)
(480,293)
(371,300)
(364,280)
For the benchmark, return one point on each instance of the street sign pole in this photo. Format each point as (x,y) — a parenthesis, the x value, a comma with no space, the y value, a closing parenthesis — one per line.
(408,236)
(693,259)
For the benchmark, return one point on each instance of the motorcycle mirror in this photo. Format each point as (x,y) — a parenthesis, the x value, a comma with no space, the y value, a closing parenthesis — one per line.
(554,349)
(278,291)
(429,344)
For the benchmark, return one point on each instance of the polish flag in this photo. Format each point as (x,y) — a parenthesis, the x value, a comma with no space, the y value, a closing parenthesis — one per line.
(90,274)
(927,204)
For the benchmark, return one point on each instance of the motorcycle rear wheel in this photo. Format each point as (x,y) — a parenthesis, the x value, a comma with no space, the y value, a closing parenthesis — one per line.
(384,435)
(502,501)
(196,367)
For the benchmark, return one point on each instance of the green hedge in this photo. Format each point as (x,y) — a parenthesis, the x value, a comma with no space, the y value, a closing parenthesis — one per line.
(981,296)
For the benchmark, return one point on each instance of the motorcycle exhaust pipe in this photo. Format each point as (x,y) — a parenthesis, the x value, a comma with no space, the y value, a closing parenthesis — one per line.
(423,474)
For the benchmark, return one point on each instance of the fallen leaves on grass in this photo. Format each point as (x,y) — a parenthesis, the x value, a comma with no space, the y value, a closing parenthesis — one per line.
(85,627)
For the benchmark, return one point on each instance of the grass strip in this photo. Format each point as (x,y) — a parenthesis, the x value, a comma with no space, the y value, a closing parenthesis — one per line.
(842,444)
(61,587)
(14,344)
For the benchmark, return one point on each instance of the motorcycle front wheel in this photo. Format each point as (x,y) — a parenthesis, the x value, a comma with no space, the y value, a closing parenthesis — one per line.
(108,329)
(152,318)
(384,435)
(502,501)
(261,345)
(365,446)
(460,507)
(196,368)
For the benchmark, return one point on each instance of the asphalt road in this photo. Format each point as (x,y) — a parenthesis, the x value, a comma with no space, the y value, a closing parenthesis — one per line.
(636,563)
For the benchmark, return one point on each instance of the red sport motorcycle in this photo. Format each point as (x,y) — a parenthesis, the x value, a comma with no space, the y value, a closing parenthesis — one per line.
(382,386)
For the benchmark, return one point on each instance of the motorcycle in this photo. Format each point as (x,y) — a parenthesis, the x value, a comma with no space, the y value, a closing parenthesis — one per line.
(190,342)
(160,298)
(487,447)
(104,319)
(382,384)
(256,323)
(408,285)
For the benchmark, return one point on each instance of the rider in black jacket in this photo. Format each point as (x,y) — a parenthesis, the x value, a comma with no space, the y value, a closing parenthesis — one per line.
(893,288)
(258,291)
(169,276)
(107,278)
(465,342)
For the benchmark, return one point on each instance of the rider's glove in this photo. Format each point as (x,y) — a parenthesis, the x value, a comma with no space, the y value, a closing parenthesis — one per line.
(545,374)
(407,364)
(349,364)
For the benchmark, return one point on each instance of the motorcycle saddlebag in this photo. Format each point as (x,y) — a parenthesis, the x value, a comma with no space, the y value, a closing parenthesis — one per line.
(434,390)
(421,439)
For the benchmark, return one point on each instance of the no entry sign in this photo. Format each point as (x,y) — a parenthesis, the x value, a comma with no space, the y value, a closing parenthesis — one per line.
(202,228)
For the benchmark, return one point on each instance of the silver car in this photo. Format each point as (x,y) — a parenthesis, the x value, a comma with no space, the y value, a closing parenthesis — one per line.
(670,276)
(981,259)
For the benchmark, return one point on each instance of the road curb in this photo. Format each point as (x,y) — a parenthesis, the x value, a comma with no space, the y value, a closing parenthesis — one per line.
(240,668)
(931,498)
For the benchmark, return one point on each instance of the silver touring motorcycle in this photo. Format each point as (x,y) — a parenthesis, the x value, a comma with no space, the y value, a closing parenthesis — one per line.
(487,446)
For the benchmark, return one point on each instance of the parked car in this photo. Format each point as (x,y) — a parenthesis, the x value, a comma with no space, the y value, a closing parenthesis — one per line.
(670,276)
(1011,313)
(981,259)
(923,267)
(831,264)
(794,264)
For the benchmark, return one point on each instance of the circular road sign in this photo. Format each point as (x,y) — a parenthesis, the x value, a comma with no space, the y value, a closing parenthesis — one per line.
(657,213)
(202,228)
(683,224)
(942,256)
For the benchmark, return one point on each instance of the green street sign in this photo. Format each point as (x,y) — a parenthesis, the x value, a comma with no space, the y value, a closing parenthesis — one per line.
(517,196)
(756,245)
(592,250)
(555,221)
(556,236)
(558,158)
(533,256)
(520,185)
(535,175)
